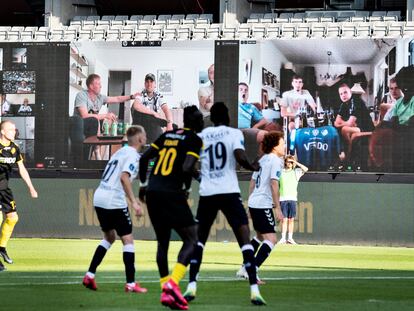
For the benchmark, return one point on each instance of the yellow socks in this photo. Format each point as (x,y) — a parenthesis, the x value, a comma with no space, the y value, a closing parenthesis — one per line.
(164,280)
(7,229)
(178,272)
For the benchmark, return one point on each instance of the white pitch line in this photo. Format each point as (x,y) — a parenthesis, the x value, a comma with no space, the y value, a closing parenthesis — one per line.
(221,279)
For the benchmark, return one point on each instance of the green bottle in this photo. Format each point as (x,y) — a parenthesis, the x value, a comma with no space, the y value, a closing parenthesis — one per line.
(105,128)
(120,128)
(114,129)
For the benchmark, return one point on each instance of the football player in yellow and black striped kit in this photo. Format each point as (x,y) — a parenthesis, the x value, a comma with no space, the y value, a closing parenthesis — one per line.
(175,152)
(9,155)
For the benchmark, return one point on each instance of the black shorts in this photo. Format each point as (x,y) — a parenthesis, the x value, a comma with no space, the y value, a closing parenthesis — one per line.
(169,210)
(263,220)
(7,203)
(230,204)
(118,219)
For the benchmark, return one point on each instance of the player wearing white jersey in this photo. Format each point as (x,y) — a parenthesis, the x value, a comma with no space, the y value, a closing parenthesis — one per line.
(112,209)
(264,196)
(218,165)
(219,190)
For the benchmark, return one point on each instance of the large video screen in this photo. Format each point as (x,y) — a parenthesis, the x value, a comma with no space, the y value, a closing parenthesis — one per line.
(34,97)
(115,84)
(343,104)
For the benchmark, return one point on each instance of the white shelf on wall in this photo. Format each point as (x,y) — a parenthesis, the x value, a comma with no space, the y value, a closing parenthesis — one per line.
(78,73)
(79,59)
(270,88)
(79,69)
(77,86)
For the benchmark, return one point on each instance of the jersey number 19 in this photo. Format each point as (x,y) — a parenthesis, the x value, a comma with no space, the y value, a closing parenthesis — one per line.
(217,155)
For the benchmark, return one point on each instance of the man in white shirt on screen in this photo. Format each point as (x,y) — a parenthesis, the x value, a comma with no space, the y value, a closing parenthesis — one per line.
(296,100)
(25,106)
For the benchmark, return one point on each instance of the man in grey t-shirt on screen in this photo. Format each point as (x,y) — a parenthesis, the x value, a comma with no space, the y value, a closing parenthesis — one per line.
(295,100)
(88,103)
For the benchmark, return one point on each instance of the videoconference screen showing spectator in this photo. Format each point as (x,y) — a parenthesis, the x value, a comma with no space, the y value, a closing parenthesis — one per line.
(113,85)
(343,104)
(34,96)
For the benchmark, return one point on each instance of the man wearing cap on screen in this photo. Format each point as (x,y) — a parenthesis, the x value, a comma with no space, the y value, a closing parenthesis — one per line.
(151,102)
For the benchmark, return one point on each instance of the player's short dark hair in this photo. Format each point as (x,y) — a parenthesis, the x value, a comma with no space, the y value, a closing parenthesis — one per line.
(92,77)
(219,114)
(193,118)
(134,130)
(297,77)
(243,83)
(405,78)
(344,84)
(271,140)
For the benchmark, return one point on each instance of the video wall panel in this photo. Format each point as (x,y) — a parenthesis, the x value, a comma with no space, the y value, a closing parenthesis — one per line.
(134,83)
(343,104)
(34,97)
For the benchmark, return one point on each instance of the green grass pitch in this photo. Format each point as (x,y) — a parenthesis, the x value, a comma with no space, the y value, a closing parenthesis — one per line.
(47,275)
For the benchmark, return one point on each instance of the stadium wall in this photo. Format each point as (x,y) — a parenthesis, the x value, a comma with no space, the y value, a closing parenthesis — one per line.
(329,212)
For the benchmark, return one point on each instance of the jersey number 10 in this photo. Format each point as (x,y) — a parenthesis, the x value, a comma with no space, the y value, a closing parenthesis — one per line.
(165,161)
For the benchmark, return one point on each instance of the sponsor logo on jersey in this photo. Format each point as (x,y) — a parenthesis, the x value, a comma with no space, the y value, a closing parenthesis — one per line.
(316,145)
(218,174)
(132,167)
(177,135)
(169,142)
(7,160)
(216,135)
(278,173)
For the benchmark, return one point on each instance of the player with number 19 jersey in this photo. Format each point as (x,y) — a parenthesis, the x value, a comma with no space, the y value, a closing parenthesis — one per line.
(110,194)
(218,164)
